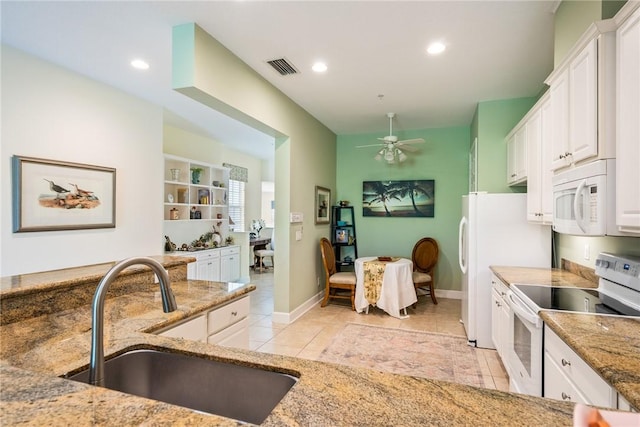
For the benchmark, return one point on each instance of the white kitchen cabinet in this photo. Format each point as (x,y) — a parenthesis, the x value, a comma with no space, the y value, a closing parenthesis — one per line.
(230,264)
(226,325)
(229,324)
(539,186)
(582,96)
(208,266)
(500,315)
(568,377)
(194,329)
(217,264)
(628,125)
(517,156)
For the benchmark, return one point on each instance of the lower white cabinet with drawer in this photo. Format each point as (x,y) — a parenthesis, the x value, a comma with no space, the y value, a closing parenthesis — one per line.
(228,320)
(568,377)
(194,329)
(226,325)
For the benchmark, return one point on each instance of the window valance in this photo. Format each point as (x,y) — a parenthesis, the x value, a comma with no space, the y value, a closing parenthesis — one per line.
(237,173)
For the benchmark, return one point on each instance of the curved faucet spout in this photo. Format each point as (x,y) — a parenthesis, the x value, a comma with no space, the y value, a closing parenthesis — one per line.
(96,363)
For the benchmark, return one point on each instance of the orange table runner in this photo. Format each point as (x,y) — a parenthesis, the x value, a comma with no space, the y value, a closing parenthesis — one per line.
(373,274)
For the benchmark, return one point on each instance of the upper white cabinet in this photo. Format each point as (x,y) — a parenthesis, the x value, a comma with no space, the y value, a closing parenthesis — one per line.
(628,125)
(582,96)
(539,187)
(517,156)
(529,162)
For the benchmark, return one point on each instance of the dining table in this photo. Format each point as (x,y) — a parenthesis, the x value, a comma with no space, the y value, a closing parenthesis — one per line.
(384,282)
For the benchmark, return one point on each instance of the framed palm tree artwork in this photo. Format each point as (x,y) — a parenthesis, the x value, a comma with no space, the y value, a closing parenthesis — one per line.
(415,198)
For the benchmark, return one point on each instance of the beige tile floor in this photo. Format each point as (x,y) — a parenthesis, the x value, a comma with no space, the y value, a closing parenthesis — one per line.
(310,334)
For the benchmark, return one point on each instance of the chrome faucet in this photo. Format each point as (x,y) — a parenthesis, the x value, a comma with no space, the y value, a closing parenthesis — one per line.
(96,363)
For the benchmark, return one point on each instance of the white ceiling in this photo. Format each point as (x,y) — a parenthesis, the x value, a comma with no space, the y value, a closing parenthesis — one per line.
(495,50)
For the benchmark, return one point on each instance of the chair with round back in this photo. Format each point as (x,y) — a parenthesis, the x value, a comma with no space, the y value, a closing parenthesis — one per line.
(425,258)
(336,282)
(268,252)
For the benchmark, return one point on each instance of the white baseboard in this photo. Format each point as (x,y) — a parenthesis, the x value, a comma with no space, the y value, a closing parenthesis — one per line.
(286,318)
(446,293)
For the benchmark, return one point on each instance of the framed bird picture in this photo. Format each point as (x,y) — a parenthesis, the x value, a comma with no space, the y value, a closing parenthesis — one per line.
(51,195)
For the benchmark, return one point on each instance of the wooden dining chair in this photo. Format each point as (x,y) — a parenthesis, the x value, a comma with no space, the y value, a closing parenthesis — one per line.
(336,283)
(425,258)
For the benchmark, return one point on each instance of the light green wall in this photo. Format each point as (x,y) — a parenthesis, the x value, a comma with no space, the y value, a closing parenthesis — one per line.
(571,21)
(305,154)
(492,122)
(573,17)
(444,158)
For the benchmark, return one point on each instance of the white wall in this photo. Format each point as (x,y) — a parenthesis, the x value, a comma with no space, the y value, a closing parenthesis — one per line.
(49,112)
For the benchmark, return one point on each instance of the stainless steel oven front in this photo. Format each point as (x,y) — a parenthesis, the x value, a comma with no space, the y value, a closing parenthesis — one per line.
(524,352)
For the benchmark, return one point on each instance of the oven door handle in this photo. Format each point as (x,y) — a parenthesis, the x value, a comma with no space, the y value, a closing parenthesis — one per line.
(523,311)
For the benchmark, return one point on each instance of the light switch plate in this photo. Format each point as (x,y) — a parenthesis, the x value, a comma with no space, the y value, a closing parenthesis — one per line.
(295,217)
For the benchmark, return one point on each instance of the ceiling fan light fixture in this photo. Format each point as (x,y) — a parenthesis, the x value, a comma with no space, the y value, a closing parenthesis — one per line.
(389,155)
(379,155)
(401,156)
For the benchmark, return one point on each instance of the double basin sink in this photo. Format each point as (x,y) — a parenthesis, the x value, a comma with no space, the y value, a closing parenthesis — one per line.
(234,391)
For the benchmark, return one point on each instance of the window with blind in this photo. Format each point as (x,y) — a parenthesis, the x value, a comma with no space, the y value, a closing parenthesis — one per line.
(236,204)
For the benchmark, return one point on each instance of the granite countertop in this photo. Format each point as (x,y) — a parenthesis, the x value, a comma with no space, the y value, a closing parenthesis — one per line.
(35,351)
(541,276)
(609,344)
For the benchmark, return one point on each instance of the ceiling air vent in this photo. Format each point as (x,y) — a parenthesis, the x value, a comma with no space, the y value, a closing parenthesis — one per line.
(283,66)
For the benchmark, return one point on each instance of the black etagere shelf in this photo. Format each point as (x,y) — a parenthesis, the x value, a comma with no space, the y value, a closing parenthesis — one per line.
(343,236)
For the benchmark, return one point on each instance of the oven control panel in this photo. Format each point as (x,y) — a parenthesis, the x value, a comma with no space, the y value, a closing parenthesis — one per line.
(624,270)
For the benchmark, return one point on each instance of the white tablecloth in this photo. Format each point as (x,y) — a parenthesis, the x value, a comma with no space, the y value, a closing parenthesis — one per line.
(397,290)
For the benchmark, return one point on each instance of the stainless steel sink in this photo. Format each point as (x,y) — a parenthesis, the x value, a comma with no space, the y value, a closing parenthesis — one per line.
(233,391)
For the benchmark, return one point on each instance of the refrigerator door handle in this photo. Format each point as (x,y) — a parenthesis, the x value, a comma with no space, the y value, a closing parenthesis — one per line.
(461,243)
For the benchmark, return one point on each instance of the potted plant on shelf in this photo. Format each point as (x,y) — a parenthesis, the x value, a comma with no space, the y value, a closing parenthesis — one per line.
(195,175)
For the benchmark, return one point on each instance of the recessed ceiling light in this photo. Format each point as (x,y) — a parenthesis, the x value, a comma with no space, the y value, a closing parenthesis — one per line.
(139,64)
(319,67)
(436,48)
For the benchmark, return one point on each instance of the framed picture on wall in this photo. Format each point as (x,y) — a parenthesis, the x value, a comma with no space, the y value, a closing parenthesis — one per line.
(323,205)
(400,199)
(50,195)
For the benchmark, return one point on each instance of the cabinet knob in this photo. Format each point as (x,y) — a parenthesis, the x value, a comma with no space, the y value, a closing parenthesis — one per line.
(565,362)
(565,396)
(234,313)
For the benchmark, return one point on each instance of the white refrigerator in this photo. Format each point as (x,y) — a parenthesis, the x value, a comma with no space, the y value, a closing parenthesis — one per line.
(494,231)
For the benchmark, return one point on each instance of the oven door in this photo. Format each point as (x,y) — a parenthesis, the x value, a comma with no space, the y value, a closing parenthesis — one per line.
(524,351)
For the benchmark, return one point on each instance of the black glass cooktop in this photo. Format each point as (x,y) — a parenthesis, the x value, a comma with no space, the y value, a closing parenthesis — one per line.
(575,299)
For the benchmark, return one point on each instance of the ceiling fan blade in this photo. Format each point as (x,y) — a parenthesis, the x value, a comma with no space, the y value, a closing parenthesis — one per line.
(411,141)
(370,145)
(408,148)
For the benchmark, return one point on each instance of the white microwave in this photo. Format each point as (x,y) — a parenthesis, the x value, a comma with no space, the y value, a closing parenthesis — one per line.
(584,200)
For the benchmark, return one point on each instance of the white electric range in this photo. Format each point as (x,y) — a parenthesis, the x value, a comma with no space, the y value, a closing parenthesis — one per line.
(618,294)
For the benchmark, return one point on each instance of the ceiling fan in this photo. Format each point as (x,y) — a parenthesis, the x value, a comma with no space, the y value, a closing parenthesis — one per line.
(393,150)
